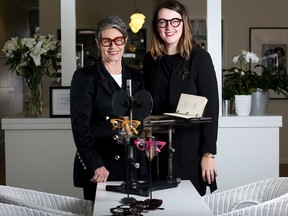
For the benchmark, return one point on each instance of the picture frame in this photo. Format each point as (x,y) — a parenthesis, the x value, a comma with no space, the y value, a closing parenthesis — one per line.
(271,46)
(199,29)
(59,101)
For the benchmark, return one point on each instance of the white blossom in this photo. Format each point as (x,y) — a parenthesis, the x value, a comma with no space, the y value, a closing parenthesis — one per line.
(37,52)
(9,47)
(253,57)
(236,58)
(24,54)
(246,57)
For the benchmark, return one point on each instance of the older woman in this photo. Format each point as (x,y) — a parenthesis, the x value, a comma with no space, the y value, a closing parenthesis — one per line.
(99,157)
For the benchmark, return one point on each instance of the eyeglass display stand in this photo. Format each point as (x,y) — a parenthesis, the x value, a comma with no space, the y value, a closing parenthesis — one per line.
(141,104)
(132,186)
(145,188)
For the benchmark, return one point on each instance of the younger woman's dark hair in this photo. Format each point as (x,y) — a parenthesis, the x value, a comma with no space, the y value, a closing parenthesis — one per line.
(185,44)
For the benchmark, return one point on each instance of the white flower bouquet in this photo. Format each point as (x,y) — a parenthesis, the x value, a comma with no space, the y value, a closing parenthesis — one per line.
(27,56)
(32,58)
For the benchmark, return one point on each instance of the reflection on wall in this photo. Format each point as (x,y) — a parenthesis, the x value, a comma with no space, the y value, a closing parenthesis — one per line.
(90,50)
(274,54)
(79,55)
(135,49)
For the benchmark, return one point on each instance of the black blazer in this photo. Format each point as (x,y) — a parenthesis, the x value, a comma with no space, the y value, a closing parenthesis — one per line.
(190,142)
(92,89)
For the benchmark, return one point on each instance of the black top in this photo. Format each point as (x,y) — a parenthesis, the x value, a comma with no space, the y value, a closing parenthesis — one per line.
(166,78)
(92,90)
(160,91)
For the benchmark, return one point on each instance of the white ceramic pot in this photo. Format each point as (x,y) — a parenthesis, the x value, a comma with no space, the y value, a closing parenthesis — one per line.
(243,105)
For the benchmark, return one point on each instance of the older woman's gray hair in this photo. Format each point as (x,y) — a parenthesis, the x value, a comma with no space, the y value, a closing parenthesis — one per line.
(111,22)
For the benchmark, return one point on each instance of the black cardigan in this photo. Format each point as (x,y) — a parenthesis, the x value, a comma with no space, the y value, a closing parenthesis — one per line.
(195,76)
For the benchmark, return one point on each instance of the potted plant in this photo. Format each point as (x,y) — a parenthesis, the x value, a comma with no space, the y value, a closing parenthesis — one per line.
(257,83)
(228,93)
(240,82)
(273,78)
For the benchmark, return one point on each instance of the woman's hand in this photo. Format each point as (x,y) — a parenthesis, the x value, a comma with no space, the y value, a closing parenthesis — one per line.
(100,175)
(209,172)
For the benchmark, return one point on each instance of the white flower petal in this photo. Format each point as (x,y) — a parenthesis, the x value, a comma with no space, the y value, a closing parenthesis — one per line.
(236,59)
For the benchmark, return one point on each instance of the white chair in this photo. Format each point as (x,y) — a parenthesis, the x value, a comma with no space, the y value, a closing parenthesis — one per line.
(45,202)
(13,210)
(256,198)
(275,207)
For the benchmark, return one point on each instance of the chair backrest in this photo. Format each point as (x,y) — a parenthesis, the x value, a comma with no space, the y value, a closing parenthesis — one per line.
(247,195)
(275,207)
(12,210)
(53,203)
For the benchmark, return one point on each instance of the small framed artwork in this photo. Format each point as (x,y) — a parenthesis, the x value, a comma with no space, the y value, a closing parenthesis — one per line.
(271,45)
(199,32)
(59,102)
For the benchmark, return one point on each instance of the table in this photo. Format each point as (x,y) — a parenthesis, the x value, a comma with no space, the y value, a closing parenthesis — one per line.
(183,200)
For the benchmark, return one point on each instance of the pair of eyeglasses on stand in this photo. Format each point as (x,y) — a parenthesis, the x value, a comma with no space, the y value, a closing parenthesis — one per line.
(129,124)
(151,147)
(145,144)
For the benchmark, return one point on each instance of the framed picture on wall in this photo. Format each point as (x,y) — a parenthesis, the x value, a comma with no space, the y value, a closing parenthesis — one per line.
(271,45)
(199,29)
(59,102)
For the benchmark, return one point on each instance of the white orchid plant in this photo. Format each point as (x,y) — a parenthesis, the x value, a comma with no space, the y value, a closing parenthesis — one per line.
(246,58)
(32,57)
(240,80)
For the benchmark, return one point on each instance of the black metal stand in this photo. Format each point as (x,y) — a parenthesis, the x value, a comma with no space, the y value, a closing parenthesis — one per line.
(142,105)
(144,188)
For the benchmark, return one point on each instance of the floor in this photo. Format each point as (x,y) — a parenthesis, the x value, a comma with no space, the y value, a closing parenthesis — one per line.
(283,167)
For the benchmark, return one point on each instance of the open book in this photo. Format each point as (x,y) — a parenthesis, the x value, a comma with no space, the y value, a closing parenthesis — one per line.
(190,106)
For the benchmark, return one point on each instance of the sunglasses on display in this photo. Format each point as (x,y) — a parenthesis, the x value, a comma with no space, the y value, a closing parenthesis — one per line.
(175,22)
(144,144)
(125,210)
(120,123)
(136,208)
(106,42)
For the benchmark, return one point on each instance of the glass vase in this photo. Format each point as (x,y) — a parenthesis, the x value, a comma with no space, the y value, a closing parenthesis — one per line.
(33,99)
